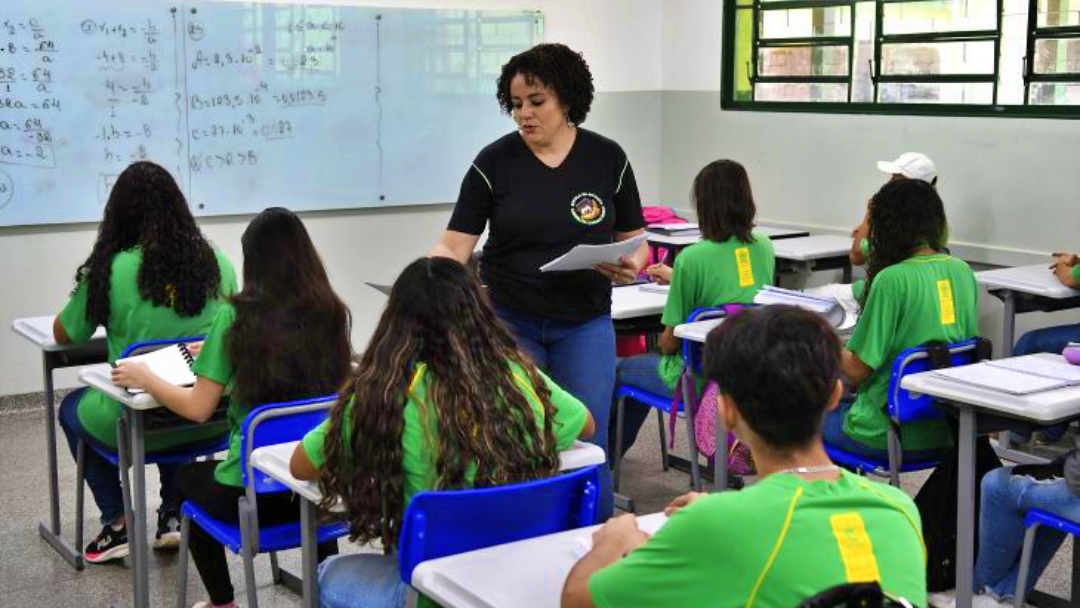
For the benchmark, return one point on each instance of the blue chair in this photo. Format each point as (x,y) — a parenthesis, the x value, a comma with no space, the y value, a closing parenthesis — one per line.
(904,407)
(1034,519)
(438,524)
(164,422)
(268,424)
(663,404)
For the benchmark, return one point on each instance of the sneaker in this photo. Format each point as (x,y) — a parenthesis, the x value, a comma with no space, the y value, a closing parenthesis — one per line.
(109,545)
(168,531)
(944,599)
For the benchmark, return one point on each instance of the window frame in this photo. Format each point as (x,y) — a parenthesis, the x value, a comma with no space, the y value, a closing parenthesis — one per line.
(728,54)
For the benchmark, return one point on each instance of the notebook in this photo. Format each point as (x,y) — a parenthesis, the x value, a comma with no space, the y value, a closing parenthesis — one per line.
(1015,376)
(825,306)
(687,229)
(655,288)
(172,364)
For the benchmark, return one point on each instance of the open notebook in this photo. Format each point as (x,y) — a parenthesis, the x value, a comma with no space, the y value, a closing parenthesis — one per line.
(826,306)
(172,364)
(1015,376)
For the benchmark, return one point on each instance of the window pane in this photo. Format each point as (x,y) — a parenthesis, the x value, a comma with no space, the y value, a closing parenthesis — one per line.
(862,88)
(806,22)
(945,92)
(744,29)
(938,58)
(939,16)
(1055,93)
(1056,13)
(831,92)
(803,61)
(1053,56)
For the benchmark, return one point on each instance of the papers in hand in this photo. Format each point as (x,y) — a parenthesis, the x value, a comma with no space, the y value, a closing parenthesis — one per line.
(172,364)
(1015,376)
(585,257)
(826,306)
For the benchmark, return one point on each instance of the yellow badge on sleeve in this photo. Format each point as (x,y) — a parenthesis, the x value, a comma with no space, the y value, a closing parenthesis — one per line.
(948,307)
(746,270)
(856,550)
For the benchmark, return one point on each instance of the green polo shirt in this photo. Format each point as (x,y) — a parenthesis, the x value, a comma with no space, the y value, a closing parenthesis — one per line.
(135,319)
(922,299)
(420,436)
(709,273)
(775,543)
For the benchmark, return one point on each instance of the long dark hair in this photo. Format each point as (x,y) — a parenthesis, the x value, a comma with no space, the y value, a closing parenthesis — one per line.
(438,315)
(724,202)
(905,215)
(290,339)
(147,210)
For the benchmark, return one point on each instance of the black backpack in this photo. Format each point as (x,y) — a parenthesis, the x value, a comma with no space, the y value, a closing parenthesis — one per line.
(852,595)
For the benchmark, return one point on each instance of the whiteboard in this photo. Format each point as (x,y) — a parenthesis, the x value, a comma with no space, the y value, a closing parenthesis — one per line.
(249,105)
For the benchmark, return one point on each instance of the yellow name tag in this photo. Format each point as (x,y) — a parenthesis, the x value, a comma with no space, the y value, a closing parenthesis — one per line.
(948,308)
(746,270)
(856,550)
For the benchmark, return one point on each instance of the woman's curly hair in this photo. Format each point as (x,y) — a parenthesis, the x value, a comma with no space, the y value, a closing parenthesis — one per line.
(437,315)
(557,67)
(905,216)
(146,209)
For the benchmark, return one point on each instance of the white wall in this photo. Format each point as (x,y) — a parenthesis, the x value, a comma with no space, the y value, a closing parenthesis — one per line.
(37,263)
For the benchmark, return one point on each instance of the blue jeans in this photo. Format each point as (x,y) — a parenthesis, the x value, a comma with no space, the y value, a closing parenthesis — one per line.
(640,371)
(361,581)
(1006,499)
(579,357)
(102,476)
(834,435)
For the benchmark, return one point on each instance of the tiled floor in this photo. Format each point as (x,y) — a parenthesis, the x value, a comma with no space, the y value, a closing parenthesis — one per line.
(31,574)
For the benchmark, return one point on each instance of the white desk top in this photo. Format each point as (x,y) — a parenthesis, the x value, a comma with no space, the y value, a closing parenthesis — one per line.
(1036,280)
(273,460)
(507,576)
(810,248)
(631,302)
(676,240)
(100,377)
(39,330)
(696,331)
(1045,407)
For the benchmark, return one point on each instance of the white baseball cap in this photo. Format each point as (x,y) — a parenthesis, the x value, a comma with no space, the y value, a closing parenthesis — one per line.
(911,165)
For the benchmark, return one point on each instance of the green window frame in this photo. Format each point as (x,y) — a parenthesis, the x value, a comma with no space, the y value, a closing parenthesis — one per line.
(895,68)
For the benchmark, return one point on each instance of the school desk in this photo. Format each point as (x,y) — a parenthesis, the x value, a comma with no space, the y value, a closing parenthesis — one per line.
(821,252)
(1025,289)
(678,241)
(39,332)
(697,332)
(273,461)
(1044,408)
(524,574)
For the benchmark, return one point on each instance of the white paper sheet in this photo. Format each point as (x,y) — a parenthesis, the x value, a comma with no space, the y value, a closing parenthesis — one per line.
(585,257)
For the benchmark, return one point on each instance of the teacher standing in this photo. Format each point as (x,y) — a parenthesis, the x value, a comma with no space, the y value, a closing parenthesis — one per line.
(541,191)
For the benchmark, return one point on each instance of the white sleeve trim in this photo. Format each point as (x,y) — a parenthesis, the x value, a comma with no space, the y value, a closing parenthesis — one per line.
(625,166)
(486,180)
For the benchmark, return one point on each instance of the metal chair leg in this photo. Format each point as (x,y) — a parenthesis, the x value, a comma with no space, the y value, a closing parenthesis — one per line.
(896,457)
(620,414)
(689,402)
(275,568)
(663,440)
(1025,564)
(80,495)
(185,531)
(246,552)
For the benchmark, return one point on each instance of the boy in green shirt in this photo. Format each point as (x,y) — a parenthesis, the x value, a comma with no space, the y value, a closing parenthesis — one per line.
(730,264)
(805,527)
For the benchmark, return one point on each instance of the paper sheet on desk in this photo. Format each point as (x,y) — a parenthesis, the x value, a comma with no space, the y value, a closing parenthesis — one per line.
(585,257)
(648,525)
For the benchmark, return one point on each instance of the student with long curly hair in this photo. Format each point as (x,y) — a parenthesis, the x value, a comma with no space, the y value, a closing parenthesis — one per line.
(915,294)
(443,399)
(285,336)
(151,275)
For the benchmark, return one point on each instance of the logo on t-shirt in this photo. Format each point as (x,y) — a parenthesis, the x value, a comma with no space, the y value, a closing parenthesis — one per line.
(587,208)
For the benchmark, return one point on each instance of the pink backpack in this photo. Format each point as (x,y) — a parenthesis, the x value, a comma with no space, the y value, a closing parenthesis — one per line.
(661,215)
(739,459)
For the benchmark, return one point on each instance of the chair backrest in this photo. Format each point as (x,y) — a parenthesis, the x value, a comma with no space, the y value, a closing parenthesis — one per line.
(438,524)
(692,350)
(275,423)
(147,346)
(904,406)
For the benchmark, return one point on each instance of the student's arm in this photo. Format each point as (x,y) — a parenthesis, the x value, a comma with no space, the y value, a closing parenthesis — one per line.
(852,367)
(71,325)
(59,333)
(669,344)
(630,266)
(195,403)
(300,466)
(455,245)
(572,419)
(616,539)
(1065,268)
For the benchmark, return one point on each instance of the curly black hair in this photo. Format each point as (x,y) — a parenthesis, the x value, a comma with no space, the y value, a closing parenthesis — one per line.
(146,209)
(905,215)
(557,67)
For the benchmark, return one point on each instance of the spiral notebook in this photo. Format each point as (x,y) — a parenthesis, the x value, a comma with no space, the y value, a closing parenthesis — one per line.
(172,364)
(1016,375)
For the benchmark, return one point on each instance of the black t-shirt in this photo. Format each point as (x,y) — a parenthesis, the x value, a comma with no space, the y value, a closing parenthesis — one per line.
(538,213)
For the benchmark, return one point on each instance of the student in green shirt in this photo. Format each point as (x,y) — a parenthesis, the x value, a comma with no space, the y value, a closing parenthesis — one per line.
(915,294)
(151,275)
(804,527)
(442,399)
(730,264)
(284,337)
